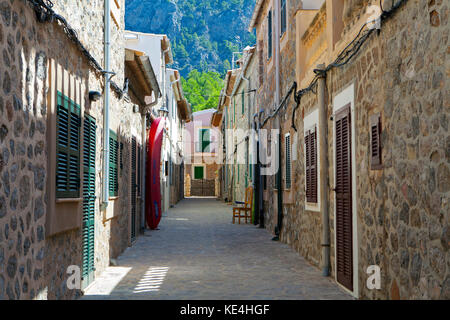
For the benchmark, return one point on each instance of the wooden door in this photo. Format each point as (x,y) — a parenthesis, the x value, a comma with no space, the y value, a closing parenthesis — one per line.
(344,228)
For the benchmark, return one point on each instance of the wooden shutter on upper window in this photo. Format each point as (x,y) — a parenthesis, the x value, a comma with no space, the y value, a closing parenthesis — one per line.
(113,159)
(68,123)
(288,161)
(375,142)
(311,165)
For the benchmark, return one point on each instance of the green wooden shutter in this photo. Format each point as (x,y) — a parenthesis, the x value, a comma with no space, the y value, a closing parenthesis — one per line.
(68,124)
(113,159)
(89,153)
(198,172)
(205,140)
(243,102)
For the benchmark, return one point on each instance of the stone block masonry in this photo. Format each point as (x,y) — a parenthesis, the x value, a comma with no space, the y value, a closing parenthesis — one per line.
(402,219)
(33,263)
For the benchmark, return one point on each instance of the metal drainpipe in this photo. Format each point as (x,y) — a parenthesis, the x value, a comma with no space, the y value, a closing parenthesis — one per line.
(107,35)
(277,119)
(324,188)
(260,191)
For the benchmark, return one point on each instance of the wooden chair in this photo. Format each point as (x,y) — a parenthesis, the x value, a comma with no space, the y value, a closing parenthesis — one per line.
(247,207)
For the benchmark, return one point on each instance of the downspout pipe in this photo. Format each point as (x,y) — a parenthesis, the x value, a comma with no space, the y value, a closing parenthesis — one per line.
(277,119)
(324,186)
(107,75)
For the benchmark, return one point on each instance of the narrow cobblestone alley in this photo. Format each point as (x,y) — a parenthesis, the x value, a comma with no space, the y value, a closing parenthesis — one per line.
(199,254)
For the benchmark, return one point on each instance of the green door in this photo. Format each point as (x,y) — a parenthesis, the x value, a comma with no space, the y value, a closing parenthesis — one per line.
(88,199)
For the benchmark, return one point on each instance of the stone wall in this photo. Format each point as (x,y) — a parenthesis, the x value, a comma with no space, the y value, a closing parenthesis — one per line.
(33,266)
(402,210)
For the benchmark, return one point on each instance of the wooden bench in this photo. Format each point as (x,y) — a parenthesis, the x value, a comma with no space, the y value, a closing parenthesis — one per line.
(245,208)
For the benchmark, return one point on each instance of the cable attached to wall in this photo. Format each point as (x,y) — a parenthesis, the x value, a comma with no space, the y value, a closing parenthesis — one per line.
(45,13)
(342,59)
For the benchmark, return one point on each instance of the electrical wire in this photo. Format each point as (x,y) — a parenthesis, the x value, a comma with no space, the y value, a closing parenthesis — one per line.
(350,51)
(45,13)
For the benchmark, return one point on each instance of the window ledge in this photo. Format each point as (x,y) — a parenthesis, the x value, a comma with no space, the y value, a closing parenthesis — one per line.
(310,206)
(113,198)
(68,200)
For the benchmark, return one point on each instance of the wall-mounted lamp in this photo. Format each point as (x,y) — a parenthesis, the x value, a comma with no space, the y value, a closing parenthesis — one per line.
(94,95)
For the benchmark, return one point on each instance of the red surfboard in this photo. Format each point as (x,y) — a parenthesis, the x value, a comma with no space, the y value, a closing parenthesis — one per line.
(153,206)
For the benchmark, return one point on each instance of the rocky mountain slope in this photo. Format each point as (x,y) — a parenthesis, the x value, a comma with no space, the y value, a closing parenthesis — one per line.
(204,33)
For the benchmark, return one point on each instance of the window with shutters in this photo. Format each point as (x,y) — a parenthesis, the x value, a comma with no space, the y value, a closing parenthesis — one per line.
(283,17)
(375,142)
(204,140)
(311,165)
(113,161)
(269,35)
(288,167)
(68,122)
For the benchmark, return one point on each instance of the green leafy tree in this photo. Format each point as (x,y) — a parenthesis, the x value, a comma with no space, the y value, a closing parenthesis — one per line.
(202,89)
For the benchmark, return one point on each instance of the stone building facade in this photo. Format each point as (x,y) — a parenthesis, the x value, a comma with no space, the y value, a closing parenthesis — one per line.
(398,166)
(234,119)
(42,229)
(200,149)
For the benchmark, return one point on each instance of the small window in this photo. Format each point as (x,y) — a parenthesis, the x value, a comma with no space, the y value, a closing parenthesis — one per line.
(311,165)
(269,35)
(283,17)
(68,122)
(287,141)
(113,160)
(199,172)
(375,142)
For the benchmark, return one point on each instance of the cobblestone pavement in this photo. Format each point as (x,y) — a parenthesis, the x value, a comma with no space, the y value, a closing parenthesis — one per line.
(199,254)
